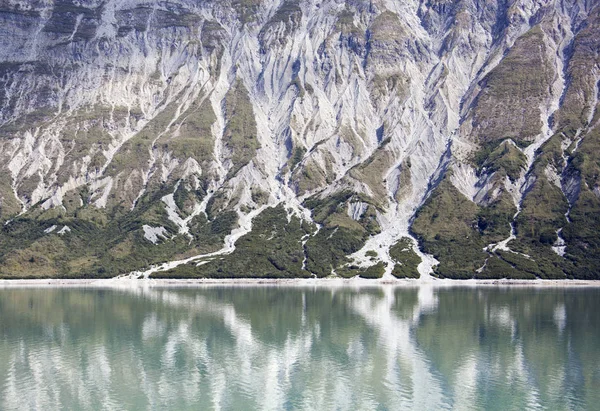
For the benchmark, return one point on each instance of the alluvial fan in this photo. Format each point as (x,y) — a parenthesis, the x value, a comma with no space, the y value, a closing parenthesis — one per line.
(284,138)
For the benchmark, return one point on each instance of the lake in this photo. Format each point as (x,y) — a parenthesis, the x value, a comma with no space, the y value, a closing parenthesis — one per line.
(319,348)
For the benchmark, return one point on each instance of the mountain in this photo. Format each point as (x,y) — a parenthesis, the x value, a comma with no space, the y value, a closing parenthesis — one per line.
(278,138)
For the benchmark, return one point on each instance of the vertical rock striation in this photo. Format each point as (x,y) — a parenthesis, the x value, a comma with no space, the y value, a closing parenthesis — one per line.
(342,138)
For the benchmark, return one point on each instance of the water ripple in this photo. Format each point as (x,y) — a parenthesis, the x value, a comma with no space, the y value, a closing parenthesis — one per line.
(278,348)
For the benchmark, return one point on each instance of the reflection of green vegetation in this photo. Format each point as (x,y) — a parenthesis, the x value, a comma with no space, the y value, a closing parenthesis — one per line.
(511,337)
(488,319)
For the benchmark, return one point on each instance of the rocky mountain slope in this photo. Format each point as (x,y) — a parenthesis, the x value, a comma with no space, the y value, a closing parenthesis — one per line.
(276,138)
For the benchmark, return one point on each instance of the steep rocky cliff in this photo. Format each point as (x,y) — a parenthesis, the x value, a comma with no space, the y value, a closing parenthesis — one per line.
(300,138)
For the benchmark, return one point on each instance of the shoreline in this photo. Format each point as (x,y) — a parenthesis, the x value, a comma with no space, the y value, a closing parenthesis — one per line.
(313,282)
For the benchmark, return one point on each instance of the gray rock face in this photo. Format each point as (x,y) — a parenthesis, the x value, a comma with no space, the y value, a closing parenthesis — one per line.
(187,118)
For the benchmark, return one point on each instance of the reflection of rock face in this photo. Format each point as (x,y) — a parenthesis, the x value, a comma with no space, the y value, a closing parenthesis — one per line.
(272,348)
(156,128)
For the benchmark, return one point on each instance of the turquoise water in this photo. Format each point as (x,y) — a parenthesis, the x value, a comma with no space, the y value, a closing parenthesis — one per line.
(300,348)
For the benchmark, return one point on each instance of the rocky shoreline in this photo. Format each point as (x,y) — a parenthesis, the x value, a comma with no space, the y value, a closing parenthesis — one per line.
(334,282)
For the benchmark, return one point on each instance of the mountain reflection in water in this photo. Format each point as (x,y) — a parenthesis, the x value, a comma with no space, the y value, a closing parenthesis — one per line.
(319,348)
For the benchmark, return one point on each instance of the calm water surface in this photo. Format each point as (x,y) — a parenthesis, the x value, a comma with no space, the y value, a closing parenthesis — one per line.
(319,348)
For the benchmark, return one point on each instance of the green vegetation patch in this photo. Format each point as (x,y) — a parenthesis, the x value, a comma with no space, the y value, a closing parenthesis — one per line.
(372,171)
(340,235)
(133,158)
(289,11)
(102,243)
(9,204)
(386,27)
(580,94)
(390,84)
(310,176)
(542,213)
(273,249)
(85,132)
(501,156)
(498,268)
(508,104)
(527,266)
(247,10)
(345,23)
(240,136)
(297,156)
(581,234)
(289,14)
(455,230)
(329,248)
(332,212)
(387,42)
(405,259)
(373,272)
(191,136)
